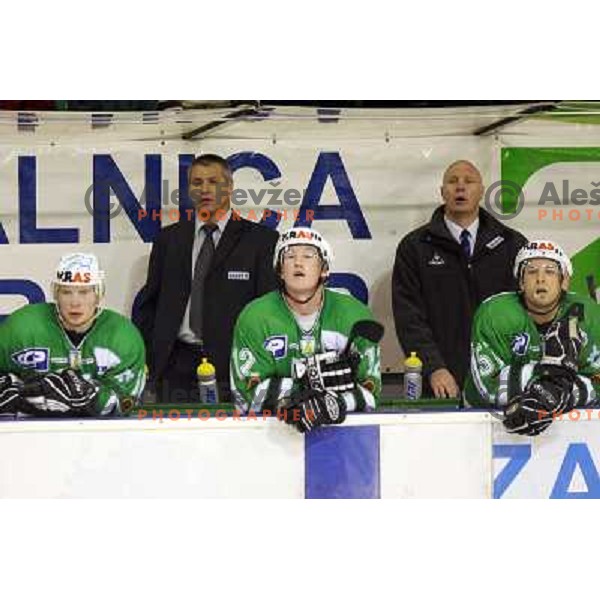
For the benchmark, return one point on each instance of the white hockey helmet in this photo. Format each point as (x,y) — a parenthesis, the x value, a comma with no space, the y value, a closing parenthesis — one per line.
(303,236)
(542,249)
(79,269)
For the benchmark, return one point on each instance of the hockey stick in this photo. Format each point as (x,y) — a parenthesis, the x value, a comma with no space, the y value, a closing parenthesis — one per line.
(591,284)
(369,330)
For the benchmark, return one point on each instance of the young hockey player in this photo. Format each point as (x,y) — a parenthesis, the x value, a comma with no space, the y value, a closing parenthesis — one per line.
(536,353)
(291,347)
(71,357)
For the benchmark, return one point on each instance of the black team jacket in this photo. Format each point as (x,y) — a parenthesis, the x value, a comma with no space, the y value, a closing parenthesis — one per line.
(436,289)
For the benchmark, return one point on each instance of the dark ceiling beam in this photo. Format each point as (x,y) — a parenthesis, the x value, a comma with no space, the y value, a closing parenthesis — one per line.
(236,114)
(519,116)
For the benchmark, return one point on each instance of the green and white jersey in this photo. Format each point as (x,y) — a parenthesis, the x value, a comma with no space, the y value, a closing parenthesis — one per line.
(267,339)
(112,352)
(505,340)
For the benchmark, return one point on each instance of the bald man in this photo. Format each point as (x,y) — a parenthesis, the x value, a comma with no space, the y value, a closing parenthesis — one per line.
(443,271)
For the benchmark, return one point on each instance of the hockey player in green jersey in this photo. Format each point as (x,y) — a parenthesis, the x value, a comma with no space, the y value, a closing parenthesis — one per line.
(288,348)
(71,357)
(536,353)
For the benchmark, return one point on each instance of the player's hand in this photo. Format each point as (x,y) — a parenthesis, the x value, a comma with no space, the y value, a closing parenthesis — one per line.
(62,392)
(532,411)
(526,415)
(10,392)
(326,371)
(309,409)
(443,384)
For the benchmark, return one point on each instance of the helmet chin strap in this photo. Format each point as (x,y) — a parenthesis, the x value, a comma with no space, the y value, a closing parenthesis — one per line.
(297,300)
(322,280)
(543,313)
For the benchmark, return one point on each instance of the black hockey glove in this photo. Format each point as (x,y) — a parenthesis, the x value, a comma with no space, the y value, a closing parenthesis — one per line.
(562,343)
(549,393)
(308,409)
(10,393)
(555,387)
(63,393)
(327,371)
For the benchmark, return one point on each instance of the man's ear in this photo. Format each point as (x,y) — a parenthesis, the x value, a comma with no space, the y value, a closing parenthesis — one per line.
(565,283)
(481,191)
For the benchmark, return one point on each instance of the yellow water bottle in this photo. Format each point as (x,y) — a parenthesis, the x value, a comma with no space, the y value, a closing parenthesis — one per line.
(413,381)
(207,382)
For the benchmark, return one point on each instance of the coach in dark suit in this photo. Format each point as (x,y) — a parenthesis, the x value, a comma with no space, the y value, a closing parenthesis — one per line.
(203,270)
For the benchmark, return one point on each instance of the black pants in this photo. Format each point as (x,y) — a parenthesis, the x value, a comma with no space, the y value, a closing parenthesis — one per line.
(178,383)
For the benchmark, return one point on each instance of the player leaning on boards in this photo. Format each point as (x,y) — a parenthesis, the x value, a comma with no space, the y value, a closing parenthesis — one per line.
(71,357)
(536,352)
(290,346)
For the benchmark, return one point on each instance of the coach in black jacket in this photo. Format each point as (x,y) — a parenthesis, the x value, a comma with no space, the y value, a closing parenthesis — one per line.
(239,270)
(443,271)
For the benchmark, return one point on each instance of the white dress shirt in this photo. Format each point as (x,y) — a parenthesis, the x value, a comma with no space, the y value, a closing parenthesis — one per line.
(456,230)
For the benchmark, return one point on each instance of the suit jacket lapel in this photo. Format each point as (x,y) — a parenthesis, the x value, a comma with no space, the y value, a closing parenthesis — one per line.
(184,254)
(231,235)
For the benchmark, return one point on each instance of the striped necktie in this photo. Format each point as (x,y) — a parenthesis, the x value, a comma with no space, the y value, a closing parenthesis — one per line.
(465,242)
(201,268)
